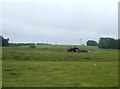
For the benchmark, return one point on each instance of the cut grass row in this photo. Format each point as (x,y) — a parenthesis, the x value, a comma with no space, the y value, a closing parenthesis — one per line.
(49,53)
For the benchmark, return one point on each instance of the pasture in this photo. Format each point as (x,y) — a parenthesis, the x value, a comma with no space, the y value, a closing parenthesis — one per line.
(53,66)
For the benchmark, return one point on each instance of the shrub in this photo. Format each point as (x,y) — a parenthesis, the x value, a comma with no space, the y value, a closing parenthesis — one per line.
(32,46)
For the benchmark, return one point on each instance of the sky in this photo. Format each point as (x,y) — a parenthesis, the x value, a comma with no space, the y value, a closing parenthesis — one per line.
(59,21)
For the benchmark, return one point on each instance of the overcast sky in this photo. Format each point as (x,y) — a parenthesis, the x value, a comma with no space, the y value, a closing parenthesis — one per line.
(64,21)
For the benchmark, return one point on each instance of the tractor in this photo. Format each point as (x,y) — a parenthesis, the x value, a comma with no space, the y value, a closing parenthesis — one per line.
(75,49)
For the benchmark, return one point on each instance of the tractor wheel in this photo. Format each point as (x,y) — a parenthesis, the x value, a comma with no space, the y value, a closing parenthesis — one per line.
(76,50)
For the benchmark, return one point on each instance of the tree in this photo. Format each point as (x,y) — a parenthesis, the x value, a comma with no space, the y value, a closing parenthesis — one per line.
(118,43)
(91,43)
(108,43)
(0,40)
(4,41)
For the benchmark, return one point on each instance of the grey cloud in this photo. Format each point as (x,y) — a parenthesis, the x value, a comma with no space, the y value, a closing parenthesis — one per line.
(58,22)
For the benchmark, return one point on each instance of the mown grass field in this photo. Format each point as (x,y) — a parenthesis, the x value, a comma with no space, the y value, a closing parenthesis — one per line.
(53,66)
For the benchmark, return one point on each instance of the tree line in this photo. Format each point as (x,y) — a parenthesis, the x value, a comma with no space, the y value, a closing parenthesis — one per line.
(104,43)
(25,44)
(5,42)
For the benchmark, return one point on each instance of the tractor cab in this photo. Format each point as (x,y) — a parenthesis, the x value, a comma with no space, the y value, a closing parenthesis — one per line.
(74,46)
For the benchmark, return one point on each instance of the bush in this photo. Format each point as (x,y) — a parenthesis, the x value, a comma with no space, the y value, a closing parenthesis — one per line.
(32,46)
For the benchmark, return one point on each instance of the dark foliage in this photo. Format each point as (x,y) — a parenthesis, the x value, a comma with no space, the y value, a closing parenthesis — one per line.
(91,43)
(4,41)
(118,43)
(108,43)
(32,46)
(19,44)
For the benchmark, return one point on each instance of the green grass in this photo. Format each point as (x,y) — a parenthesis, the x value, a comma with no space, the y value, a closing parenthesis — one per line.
(53,66)
(57,53)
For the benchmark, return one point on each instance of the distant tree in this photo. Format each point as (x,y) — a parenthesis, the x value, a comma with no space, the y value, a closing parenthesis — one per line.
(4,41)
(32,46)
(0,40)
(91,43)
(118,43)
(108,43)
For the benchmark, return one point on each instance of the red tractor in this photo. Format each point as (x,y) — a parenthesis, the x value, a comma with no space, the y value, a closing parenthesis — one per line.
(75,49)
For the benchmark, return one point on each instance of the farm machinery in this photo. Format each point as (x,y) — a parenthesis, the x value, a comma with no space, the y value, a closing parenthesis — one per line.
(75,49)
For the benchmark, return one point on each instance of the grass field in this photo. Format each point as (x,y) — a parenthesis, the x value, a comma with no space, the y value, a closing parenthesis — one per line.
(53,66)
